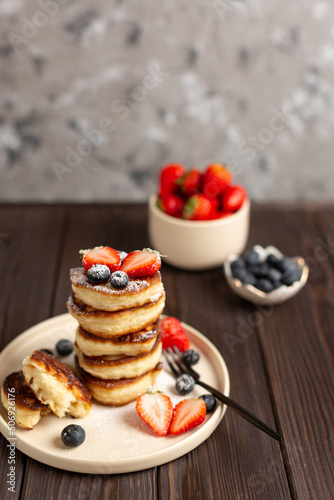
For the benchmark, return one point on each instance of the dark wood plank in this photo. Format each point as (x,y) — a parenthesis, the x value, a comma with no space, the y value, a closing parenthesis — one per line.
(297,357)
(123,227)
(28,254)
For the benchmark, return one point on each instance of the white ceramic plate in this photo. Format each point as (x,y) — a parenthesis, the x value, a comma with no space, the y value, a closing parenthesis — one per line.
(255,295)
(117,440)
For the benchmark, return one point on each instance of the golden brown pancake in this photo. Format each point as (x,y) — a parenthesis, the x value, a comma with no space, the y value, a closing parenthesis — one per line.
(55,385)
(115,323)
(118,392)
(118,367)
(17,396)
(104,297)
(130,345)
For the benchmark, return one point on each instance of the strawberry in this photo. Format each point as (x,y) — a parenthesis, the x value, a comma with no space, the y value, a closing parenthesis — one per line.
(233,198)
(156,409)
(187,414)
(171,204)
(216,178)
(190,182)
(172,333)
(141,263)
(101,255)
(168,176)
(198,207)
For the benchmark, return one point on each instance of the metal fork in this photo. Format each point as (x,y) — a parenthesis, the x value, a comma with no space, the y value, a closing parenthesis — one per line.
(179,367)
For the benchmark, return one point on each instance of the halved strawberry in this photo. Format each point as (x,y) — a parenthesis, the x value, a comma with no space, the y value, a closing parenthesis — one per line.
(141,263)
(101,255)
(156,409)
(187,414)
(172,333)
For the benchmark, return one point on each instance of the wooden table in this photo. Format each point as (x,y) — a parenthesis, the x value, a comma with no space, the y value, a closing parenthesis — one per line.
(280,360)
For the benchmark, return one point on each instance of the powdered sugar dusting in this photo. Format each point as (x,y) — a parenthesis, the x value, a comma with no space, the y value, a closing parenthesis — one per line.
(136,285)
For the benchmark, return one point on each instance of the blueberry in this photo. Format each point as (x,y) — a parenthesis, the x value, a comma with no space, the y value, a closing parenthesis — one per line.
(252,258)
(237,264)
(98,274)
(249,279)
(290,276)
(260,271)
(119,280)
(190,356)
(285,264)
(73,435)
(64,347)
(272,260)
(240,273)
(274,275)
(184,384)
(48,351)
(264,285)
(277,284)
(210,402)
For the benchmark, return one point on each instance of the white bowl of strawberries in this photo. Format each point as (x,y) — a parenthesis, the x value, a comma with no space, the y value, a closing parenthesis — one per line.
(198,219)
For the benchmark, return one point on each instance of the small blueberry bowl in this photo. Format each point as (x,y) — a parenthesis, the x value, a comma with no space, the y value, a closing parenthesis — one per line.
(276,296)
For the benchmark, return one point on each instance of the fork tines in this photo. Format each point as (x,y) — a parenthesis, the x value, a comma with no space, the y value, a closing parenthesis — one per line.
(178,362)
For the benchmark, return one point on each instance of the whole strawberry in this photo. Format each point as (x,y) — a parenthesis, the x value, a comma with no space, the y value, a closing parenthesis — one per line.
(168,177)
(171,204)
(198,207)
(190,182)
(172,333)
(233,198)
(216,178)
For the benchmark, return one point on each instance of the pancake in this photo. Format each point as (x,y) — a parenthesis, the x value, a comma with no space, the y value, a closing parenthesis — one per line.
(104,297)
(118,392)
(117,367)
(55,385)
(115,323)
(17,397)
(130,345)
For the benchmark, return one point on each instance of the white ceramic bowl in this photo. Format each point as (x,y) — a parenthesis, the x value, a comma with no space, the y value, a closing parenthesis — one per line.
(255,295)
(197,245)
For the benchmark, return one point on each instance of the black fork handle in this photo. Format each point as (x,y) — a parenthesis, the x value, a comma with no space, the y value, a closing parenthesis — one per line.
(240,410)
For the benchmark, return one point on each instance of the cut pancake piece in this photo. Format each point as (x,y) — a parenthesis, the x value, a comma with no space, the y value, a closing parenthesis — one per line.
(19,399)
(104,297)
(118,367)
(129,345)
(115,323)
(55,384)
(118,392)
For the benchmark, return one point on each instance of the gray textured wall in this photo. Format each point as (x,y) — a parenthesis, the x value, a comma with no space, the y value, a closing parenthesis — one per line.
(96,95)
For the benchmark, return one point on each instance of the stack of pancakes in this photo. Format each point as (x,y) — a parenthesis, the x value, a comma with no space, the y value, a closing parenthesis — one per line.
(117,345)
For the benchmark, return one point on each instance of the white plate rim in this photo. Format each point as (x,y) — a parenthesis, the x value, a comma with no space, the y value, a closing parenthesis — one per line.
(190,442)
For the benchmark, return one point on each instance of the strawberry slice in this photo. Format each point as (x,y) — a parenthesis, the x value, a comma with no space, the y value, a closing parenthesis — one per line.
(187,414)
(141,263)
(101,255)
(156,409)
